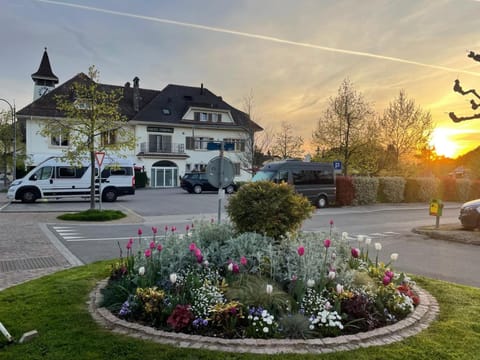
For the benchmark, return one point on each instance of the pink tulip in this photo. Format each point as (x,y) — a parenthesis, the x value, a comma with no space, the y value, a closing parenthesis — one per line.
(140,232)
(301,250)
(327,243)
(187,228)
(148,253)
(235,268)
(159,247)
(331,222)
(174,229)
(355,253)
(129,245)
(192,247)
(386,280)
(243,261)
(154,229)
(166,227)
(389,274)
(152,245)
(199,258)
(197,252)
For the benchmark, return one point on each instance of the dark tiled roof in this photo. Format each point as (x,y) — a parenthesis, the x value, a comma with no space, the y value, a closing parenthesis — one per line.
(44,71)
(176,98)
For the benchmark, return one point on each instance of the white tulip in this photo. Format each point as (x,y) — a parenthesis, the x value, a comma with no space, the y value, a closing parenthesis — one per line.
(344,235)
(331,275)
(339,288)
(230,267)
(141,270)
(368,241)
(310,283)
(394,257)
(360,238)
(378,246)
(173,278)
(269,289)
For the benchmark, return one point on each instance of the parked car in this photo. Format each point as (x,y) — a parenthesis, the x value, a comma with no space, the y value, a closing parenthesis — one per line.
(196,182)
(470,214)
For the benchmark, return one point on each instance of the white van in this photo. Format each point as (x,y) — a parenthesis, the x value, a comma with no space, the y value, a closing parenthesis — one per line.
(56,179)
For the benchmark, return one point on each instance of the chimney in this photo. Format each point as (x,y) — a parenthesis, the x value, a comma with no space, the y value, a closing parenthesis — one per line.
(136,94)
(201,89)
(127,86)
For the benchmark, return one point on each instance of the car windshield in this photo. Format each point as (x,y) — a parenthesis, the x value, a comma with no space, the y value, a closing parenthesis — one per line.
(264,175)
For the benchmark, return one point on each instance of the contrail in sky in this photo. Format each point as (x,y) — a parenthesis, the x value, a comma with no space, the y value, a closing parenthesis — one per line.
(257,36)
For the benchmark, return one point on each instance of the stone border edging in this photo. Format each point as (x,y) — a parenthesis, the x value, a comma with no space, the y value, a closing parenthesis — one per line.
(424,314)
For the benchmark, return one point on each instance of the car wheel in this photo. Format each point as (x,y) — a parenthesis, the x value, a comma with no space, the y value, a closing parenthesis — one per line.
(109,195)
(230,189)
(322,202)
(29,196)
(197,189)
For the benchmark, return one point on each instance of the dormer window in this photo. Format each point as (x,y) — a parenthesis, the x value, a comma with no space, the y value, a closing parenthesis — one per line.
(203,116)
(208,117)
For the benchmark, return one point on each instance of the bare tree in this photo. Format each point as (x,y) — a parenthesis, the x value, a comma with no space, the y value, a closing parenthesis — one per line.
(404,128)
(286,145)
(256,141)
(458,88)
(346,126)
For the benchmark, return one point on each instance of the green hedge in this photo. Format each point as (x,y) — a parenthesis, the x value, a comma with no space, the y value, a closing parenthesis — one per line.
(391,189)
(366,189)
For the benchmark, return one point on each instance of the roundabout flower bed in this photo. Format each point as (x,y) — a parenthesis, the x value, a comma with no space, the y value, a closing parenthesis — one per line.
(213,282)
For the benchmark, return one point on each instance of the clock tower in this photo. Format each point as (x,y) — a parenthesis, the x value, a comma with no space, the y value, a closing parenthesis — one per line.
(44,78)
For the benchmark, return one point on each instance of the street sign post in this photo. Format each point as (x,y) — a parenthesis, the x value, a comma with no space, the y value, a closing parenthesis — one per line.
(220,171)
(99,156)
(337,165)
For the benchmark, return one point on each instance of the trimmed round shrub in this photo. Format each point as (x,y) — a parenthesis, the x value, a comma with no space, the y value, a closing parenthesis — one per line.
(268,208)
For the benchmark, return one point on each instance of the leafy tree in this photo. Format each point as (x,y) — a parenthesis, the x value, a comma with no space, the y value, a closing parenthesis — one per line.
(92,122)
(6,144)
(404,128)
(457,87)
(347,126)
(286,145)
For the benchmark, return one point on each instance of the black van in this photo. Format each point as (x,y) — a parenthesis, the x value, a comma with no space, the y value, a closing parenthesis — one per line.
(314,180)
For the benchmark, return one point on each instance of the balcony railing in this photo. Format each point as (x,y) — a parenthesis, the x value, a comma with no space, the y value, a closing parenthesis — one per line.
(156,148)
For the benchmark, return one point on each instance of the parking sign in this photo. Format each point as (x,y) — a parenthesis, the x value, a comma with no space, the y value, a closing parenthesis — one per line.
(337,165)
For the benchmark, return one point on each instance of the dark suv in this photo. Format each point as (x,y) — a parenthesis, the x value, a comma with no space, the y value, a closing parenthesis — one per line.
(196,182)
(470,214)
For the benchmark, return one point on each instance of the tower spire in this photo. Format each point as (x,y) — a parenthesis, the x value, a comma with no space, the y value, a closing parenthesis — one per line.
(44,78)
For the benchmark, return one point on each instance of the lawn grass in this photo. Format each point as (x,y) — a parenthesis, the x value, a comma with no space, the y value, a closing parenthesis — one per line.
(93,215)
(56,306)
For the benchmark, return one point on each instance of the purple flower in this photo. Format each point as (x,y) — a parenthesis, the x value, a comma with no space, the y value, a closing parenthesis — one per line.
(327,243)
(152,245)
(154,229)
(243,261)
(148,253)
(355,253)
(139,232)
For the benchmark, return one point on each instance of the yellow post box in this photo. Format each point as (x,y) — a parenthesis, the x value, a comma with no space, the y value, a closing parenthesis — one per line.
(436,207)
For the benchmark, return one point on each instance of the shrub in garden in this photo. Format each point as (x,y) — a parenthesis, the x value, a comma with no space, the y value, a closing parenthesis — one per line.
(422,189)
(345,190)
(448,189)
(268,208)
(304,286)
(463,190)
(366,189)
(391,189)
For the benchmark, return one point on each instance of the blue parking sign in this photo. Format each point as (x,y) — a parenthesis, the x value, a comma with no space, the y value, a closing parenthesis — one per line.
(337,165)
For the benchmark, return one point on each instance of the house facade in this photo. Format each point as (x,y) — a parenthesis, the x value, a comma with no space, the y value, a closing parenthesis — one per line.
(173,126)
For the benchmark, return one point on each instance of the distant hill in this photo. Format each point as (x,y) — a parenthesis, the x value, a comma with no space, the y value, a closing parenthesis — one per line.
(470,161)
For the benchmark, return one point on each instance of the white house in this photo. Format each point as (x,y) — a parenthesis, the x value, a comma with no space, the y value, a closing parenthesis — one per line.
(173,126)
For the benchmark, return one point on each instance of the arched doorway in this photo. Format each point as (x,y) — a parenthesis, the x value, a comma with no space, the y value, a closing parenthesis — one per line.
(164,174)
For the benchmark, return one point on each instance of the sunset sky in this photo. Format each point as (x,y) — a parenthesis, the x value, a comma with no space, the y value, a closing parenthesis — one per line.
(292,54)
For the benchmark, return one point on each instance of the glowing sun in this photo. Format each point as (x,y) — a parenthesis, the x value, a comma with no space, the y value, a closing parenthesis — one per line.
(442,143)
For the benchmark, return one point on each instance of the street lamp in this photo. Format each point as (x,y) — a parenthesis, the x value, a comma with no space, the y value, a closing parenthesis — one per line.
(12,110)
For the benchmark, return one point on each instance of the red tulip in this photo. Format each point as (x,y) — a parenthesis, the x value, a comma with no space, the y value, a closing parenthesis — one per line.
(301,250)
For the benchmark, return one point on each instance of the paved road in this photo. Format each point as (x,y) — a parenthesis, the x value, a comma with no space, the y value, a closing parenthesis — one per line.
(390,225)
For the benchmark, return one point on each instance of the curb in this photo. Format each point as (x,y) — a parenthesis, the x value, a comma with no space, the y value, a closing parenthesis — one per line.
(425,313)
